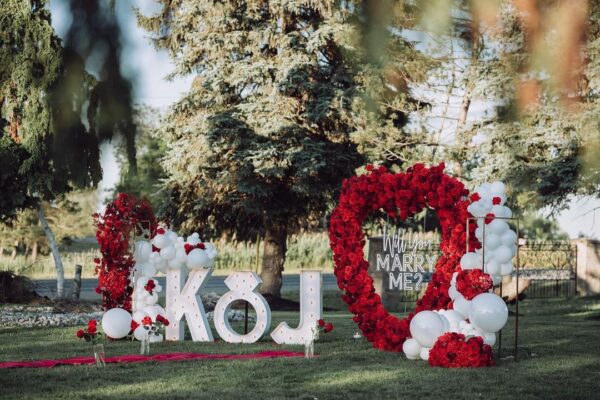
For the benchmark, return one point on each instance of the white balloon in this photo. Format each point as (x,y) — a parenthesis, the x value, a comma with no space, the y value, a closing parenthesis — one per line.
(138,316)
(143,249)
(503,254)
(174,264)
(453,293)
(492,267)
(497,226)
(461,305)
(193,239)
(172,236)
(489,338)
(496,279)
(453,316)
(167,253)
(198,258)
(470,261)
(412,349)
(498,187)
(116,323)
(488,312)
(501,211)
(160,241)
(506,269)
(479,233)
(140,333)
(509,238)
(492,241)
(425,327)
(424,353)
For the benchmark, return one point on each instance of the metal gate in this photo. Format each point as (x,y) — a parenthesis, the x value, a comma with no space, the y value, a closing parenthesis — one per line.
(548,269)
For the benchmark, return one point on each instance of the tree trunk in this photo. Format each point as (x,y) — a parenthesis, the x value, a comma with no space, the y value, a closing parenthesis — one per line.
(273,260)
(60,272)
(77,283)
(34,251)
(13,255)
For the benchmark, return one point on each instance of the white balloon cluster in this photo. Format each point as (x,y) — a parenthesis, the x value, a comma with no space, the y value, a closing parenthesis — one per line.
(166,251)
(486,313)
(500,241)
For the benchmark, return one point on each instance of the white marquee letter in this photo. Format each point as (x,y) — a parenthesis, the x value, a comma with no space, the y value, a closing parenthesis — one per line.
(311,310)
(185,302)
(242,286)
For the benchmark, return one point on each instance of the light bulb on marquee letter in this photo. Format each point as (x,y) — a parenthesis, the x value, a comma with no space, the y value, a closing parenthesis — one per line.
(311,310)
(242,286)
(184,302)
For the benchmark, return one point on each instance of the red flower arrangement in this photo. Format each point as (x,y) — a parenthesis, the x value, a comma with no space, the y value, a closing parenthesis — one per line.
(400,195)
(91,334)
(326,326)
(149,287)
(453,350)
(189,247)
(472,282)
(114,229)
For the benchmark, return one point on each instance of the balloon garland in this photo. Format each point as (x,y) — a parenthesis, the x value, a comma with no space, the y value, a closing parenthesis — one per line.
(403,195)
(114,227)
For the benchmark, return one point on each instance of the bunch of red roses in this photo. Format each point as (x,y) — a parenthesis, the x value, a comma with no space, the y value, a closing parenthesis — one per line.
(400,195)
(150,285)
(189,247)
(472,282)
(325,326)
(453,350)
(90,334)
(114,229)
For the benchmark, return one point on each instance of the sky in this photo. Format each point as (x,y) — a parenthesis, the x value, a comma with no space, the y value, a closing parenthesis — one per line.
(148,67)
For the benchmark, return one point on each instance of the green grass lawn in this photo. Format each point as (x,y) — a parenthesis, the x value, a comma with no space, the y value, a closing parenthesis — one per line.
(559,348)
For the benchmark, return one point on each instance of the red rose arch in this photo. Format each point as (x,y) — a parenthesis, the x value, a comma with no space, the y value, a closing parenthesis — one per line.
(400,195)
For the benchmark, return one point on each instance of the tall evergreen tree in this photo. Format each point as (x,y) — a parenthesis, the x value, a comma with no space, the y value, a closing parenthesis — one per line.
(46,147)
(261,142)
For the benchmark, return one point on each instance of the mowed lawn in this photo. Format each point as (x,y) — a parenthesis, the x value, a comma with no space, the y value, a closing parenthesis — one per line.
(559,359)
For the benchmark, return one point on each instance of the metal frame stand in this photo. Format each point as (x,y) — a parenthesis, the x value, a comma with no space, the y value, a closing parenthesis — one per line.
(518,264)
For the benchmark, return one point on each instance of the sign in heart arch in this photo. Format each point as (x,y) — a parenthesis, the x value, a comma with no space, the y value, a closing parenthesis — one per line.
(399,195)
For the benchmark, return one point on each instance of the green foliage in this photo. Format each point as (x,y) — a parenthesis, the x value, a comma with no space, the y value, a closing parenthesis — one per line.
(538,228)
(263,137)
(148,178)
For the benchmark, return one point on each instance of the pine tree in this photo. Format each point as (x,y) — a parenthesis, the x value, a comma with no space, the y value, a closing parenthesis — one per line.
(260,144)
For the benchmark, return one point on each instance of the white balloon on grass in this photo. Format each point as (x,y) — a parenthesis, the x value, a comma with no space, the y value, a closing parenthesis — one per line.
(489,338)
(488,312)
(412,349)
(116,323)
(425,353)
(425,327)
(140,333)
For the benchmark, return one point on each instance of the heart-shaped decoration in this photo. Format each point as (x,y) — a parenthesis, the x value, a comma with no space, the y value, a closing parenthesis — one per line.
(399,195)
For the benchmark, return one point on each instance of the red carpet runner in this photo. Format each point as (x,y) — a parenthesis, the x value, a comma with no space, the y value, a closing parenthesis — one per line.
(157,357)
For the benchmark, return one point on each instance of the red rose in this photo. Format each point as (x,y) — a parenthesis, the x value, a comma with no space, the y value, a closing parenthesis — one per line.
(147,321)
(496,200)
(160,231)
(80,333)
(321,323)
(328,327)
(150,286)
(134,325)
(201,246)
(489,217)
(475,197)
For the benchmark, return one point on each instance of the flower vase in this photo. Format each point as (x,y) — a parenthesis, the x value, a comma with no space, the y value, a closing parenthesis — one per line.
(309,348)
(145,347)
(99,354)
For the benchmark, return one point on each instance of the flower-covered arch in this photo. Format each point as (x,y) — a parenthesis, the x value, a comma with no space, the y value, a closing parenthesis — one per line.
(399,195)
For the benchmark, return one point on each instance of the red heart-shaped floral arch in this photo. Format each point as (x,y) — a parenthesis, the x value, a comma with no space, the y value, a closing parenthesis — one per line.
(400,195)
